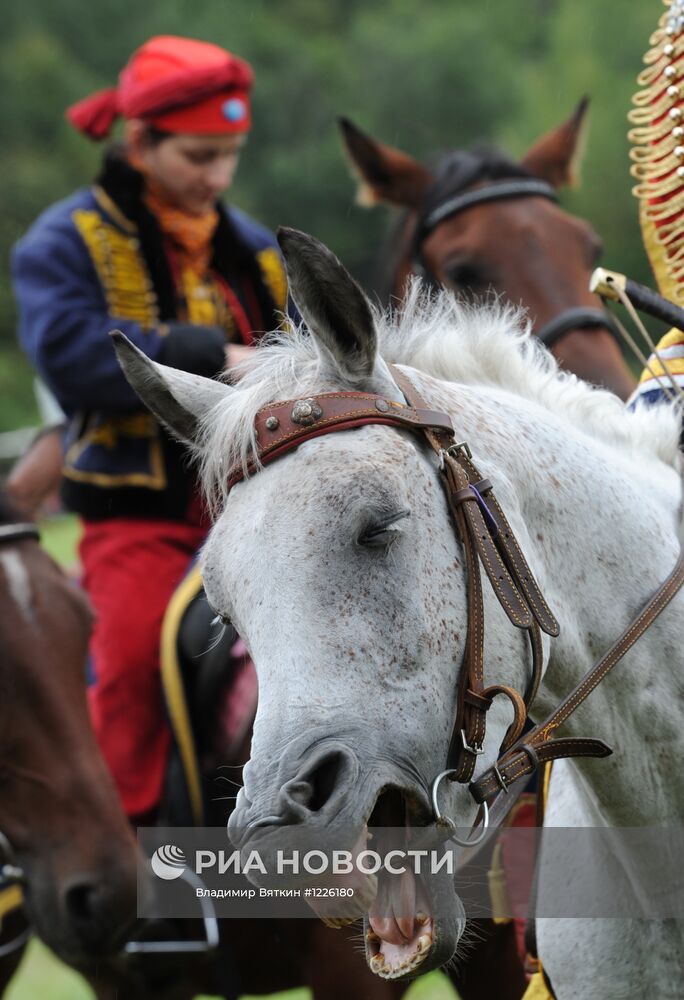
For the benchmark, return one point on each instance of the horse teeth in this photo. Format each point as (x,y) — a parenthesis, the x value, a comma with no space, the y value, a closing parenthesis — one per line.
(424,942)
(421,918)
(371,936)
(377,962)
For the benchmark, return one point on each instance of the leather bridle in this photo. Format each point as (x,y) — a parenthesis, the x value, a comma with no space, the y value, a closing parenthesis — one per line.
(432,215)
(19,532)
(488,541)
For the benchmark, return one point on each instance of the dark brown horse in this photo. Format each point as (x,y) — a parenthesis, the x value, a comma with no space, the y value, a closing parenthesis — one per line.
(482,222)
(64,837)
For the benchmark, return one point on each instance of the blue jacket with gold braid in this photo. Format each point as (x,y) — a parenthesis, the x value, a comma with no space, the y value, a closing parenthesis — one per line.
(96,262)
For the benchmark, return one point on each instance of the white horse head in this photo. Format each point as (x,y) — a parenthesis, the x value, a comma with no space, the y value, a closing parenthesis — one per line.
(339,564)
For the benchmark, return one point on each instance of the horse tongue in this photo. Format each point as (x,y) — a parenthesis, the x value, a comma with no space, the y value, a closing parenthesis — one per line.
(396,895)
(404,903)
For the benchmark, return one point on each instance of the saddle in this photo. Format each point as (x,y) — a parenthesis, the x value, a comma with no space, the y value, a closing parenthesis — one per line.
(210,689)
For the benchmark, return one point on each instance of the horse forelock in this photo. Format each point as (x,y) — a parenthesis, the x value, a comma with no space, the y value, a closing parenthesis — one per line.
(462,168)
(487,345)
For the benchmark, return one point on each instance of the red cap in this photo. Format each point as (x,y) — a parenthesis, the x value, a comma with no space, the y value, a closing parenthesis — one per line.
(175,84)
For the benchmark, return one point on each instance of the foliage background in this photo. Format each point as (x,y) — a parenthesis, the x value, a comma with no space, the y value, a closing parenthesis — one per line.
(426,75)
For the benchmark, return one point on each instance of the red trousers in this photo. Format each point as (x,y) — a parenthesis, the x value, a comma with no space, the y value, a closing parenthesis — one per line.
(131,569)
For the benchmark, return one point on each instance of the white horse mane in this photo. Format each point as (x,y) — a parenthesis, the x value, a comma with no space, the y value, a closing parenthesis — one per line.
(479,345)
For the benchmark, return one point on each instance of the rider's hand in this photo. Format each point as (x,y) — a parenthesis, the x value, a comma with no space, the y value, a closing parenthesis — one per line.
(37,474)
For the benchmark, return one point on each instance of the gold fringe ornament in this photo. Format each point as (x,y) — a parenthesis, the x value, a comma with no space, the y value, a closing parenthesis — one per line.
(658,151)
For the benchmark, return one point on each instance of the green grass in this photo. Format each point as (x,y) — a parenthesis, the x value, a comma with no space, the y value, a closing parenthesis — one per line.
(42,977)
(59,535)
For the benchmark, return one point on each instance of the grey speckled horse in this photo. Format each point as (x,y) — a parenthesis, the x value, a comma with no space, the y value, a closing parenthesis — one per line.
(340,567)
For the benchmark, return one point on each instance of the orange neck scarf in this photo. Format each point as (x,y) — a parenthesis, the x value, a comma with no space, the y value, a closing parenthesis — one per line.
(190,234)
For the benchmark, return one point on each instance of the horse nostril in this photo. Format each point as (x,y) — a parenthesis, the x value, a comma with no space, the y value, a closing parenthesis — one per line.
(315,785)
(322,780)
(81,901)
(301,792)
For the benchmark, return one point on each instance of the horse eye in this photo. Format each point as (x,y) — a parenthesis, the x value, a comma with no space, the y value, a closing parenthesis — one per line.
(381,536)
(379,539)
(465,277)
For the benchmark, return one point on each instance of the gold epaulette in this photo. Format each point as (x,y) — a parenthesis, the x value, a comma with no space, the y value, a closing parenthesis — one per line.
(658,150)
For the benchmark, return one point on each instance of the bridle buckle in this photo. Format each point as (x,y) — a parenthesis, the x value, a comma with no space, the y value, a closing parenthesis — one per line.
(500,778)
(474,750)
(453,450)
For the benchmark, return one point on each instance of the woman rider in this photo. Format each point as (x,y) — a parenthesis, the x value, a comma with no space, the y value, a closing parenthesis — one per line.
(193,282)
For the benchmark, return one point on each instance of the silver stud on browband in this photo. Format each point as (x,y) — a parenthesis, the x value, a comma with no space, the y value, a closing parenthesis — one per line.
(272,423)
(305,412)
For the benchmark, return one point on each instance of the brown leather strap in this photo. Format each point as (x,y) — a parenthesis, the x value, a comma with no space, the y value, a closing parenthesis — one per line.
(460,493)
(282,426)
(504,563)
(10,533)
(512,553)
(539,744)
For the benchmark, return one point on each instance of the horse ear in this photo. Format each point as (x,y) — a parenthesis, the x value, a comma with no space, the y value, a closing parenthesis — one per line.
(335,309)
(179,399)
(384,173)
(557,156)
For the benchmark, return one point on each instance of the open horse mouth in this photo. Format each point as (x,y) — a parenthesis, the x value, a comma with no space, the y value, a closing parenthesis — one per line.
(407,914)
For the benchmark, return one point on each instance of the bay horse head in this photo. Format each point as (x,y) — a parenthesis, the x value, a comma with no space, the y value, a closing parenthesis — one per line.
(65,838)
(484,223)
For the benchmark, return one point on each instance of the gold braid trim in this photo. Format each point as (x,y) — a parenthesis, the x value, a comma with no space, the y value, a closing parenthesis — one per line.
(650,133)
(658,153)
(120,268)
(273,272)
(142,426)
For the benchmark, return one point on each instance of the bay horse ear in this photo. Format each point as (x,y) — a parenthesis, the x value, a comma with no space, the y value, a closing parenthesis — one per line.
(332,304)
(179,399)
(557,156)
(385,174)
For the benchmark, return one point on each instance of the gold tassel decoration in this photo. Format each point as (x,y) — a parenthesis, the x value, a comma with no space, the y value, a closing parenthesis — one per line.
(658,150)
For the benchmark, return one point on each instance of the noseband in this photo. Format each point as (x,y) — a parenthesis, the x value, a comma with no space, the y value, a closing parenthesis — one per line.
(20,532)
(488,541)
(431,216)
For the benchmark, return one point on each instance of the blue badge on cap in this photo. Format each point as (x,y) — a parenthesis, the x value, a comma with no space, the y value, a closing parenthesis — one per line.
(234,109)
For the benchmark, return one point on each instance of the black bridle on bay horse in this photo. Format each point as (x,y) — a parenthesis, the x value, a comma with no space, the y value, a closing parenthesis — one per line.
(488,540)
(439,205)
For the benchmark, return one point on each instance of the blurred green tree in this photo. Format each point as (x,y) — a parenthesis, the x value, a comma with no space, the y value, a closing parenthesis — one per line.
(427,77)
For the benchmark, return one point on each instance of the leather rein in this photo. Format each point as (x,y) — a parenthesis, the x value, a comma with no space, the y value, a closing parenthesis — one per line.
(489,543)
(576,318)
